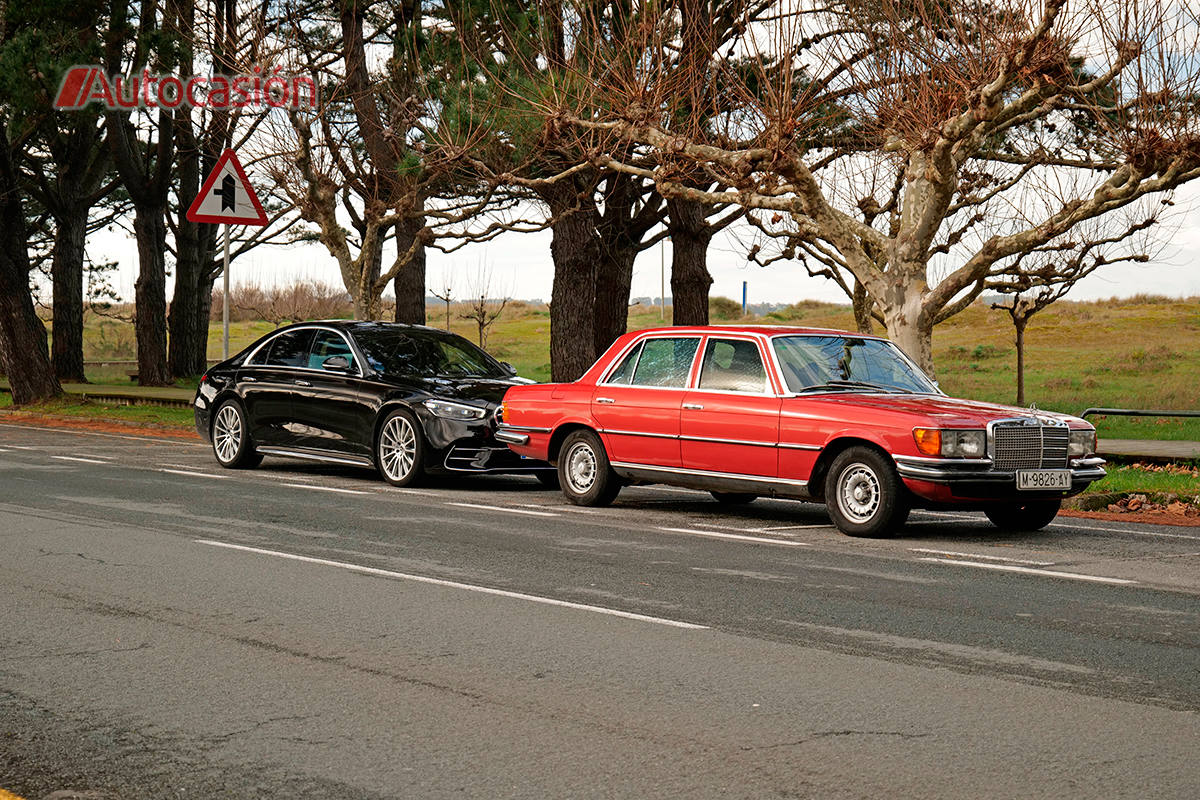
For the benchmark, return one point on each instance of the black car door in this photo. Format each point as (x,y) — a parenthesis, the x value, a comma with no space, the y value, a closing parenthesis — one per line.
(267,383)
(329,410)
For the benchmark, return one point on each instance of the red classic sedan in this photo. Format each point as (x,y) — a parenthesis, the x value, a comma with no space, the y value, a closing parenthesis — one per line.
(802,413)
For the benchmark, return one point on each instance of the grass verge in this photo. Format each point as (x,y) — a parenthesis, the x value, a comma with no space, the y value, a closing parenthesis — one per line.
(165,416)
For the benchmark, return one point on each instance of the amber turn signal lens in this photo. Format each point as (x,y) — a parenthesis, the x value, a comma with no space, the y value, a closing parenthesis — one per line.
(929,441)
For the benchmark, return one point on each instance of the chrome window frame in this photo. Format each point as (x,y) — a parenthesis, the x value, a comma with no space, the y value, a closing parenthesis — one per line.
(616,362)
(358,359)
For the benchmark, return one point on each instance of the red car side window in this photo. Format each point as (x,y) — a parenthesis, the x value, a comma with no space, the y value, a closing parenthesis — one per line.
(733,365)
(665,362)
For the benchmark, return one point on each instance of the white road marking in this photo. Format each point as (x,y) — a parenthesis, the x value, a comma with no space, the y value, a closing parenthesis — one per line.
(23,447)
(504,508)
(533,598)
(1030,571)
(573,509)
(323,488)
(1124,530)
(3,449)
(195,474)
(81,460)
(402,490)
(788,528)
(980,555)
(735,536)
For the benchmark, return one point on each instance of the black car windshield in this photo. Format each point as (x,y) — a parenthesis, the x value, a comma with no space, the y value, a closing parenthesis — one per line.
(846,362)
(408,352)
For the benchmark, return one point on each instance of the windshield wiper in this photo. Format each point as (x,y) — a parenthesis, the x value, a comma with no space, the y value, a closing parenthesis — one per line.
(850,386)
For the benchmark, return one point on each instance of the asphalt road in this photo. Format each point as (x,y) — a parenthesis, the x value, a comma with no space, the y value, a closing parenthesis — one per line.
(169,629)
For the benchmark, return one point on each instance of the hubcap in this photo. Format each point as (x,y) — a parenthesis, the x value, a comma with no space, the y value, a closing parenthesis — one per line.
(227,433)
(397,448)
(858,493)
(581,467)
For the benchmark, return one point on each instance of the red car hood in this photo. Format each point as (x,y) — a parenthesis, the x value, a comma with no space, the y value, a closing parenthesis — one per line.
(937,410)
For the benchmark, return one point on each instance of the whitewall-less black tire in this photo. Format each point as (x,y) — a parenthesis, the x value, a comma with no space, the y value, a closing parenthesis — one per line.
(864,494)
(584,472)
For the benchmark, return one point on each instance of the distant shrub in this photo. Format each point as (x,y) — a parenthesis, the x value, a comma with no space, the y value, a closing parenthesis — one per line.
(985,351)
(724,309)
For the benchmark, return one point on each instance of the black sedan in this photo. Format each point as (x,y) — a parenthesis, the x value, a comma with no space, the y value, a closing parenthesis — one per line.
(406,399)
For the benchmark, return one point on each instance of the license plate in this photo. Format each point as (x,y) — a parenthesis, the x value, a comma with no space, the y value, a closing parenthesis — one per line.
(1044,479)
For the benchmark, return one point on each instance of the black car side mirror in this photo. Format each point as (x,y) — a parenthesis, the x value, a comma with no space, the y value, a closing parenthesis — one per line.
(336,364)
(509,368)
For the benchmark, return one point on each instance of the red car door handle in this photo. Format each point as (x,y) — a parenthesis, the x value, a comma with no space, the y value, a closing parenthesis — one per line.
(693,406)
(605,400)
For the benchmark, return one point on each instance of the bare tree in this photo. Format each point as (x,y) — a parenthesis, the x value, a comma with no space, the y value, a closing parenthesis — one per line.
(1047,273)
(486,310)
(446,294)
(918,148)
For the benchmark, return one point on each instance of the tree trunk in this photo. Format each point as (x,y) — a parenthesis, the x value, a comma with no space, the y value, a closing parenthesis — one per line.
(409,284)
(1019,324)
(690,281)
(863,304)
(575,251)
(66,270)
(150,297)
(614,277)
(908,325)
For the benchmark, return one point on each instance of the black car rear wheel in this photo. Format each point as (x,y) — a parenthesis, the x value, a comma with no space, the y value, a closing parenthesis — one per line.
(400,449)
(584,472)
(864,494)
(231,438)
(1025,517)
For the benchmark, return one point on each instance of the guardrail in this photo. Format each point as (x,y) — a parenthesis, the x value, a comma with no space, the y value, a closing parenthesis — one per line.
(1138,412)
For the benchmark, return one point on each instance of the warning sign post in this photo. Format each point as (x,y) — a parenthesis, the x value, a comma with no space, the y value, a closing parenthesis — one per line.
(227,197)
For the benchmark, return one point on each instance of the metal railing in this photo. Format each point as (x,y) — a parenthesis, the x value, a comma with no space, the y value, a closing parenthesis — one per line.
(1138,412)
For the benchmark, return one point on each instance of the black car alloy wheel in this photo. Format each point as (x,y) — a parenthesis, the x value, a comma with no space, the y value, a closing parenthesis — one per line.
(400,450)
(230,438)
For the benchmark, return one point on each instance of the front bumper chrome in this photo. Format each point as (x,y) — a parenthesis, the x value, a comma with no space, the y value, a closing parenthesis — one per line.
(979,470)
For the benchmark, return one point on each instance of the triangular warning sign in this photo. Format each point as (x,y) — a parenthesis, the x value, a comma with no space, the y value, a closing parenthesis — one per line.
(227,196)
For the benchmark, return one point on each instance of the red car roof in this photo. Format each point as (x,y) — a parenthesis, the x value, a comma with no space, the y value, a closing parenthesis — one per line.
(763,330)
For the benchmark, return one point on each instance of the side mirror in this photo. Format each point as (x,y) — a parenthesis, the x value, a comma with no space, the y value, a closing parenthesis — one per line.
(336,364)
(509,368)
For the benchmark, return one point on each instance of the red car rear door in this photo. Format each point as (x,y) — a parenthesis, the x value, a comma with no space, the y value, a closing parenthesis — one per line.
(637,405)
(730,422)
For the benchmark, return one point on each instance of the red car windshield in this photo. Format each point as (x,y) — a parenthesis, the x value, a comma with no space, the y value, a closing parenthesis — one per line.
(811,363)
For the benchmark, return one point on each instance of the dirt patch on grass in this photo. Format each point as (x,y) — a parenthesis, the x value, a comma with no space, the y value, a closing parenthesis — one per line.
(1153,517)
(116,427)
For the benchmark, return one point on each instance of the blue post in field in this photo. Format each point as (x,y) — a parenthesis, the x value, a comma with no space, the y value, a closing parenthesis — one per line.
(743,298)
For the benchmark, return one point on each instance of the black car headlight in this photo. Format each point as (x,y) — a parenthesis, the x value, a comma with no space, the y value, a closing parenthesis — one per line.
(459,411)
(1083,443)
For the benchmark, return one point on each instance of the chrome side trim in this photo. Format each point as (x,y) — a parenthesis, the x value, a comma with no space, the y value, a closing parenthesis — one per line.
(701,473)
(790,446)
(504,426)
(728,441)
(356,461)
(511,437)
(639,433)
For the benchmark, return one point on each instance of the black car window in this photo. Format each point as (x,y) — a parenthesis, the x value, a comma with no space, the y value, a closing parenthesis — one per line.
(290,349)
(624,373)
(426,353)
(327,344)
(733,365)
(665,362)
